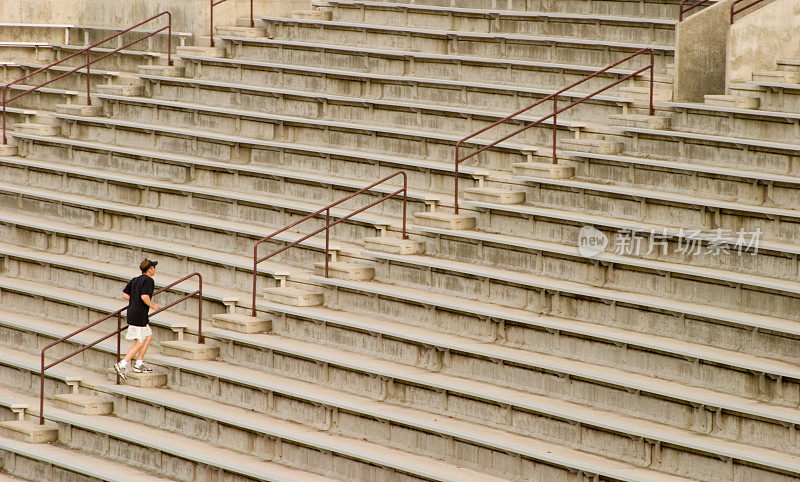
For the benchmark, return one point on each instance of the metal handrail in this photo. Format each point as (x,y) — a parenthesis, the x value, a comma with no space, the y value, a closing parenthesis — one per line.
(694,5)
(556,111)
(734,10)
(214,4)
(328,225)
(119,329)
(89,62)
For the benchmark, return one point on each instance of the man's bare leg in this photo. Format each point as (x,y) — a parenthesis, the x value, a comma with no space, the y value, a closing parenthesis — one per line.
(143,349)
(133,350)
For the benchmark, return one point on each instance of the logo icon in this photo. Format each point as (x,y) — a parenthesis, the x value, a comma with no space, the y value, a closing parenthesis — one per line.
(591,242)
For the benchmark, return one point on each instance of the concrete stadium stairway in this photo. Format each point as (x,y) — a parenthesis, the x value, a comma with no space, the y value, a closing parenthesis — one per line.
(499,352)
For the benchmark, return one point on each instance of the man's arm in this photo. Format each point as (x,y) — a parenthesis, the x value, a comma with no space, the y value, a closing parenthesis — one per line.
(126,296)
(146,299)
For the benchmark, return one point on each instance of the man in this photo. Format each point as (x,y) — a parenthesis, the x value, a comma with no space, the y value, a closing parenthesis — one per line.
(138,292)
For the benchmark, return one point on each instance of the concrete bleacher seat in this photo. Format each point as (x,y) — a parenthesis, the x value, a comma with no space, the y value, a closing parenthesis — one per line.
(654,30)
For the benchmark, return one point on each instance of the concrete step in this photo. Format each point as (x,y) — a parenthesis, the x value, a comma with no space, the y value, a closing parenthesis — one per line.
(242,323)
(784,76)
(386,244)
(445,220)
(161,70)
(342,270)
(80,109)
(641,95)
(293,296)
(212,52)
(120,89)
(734,101)
(236,31)
(640,120)
(540,169)
(38,129)
(597,146)
(494,195)
(189,350)
(83,404)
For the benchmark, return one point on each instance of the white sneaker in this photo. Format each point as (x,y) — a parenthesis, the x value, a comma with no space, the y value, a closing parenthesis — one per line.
(120,371)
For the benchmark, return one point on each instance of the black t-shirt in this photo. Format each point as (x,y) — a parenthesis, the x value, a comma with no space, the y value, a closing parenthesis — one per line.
(137,310)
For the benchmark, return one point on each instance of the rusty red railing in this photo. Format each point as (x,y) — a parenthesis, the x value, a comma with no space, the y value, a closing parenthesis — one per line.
(89,62)
(735,10)
(694,4)
(118,314)
(214,4)
(556,111)
(329,224)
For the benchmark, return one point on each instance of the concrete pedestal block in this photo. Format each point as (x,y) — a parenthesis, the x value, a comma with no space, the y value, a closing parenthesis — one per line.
(595,146)
(242,323)
(8,150)
(83,404)
(386,244)
(162,70)
(641,121)
(29,431)
(215,52)
(115,89)
(348,271)
(445,220)
(241,31)
(80,109)
(141,380)
(543,169)
(189,350)
(733,101)
(494,195)
(38,129)
(294,296)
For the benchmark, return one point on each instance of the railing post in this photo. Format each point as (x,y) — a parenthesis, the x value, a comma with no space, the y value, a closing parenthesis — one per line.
(211,21)
(652,70)
(455,181)
(88,76)
(5,140)
(169,38)
(119,336)
(555,123)
(405,199)
(252,22)
(200,338)
(255,264)
(327,237)
(41,392)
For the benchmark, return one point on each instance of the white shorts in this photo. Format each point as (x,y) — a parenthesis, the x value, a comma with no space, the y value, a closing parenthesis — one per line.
(138,333)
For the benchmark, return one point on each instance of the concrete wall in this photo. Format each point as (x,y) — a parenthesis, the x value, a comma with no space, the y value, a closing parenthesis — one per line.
(700,46)
(188,15)
(759,38)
